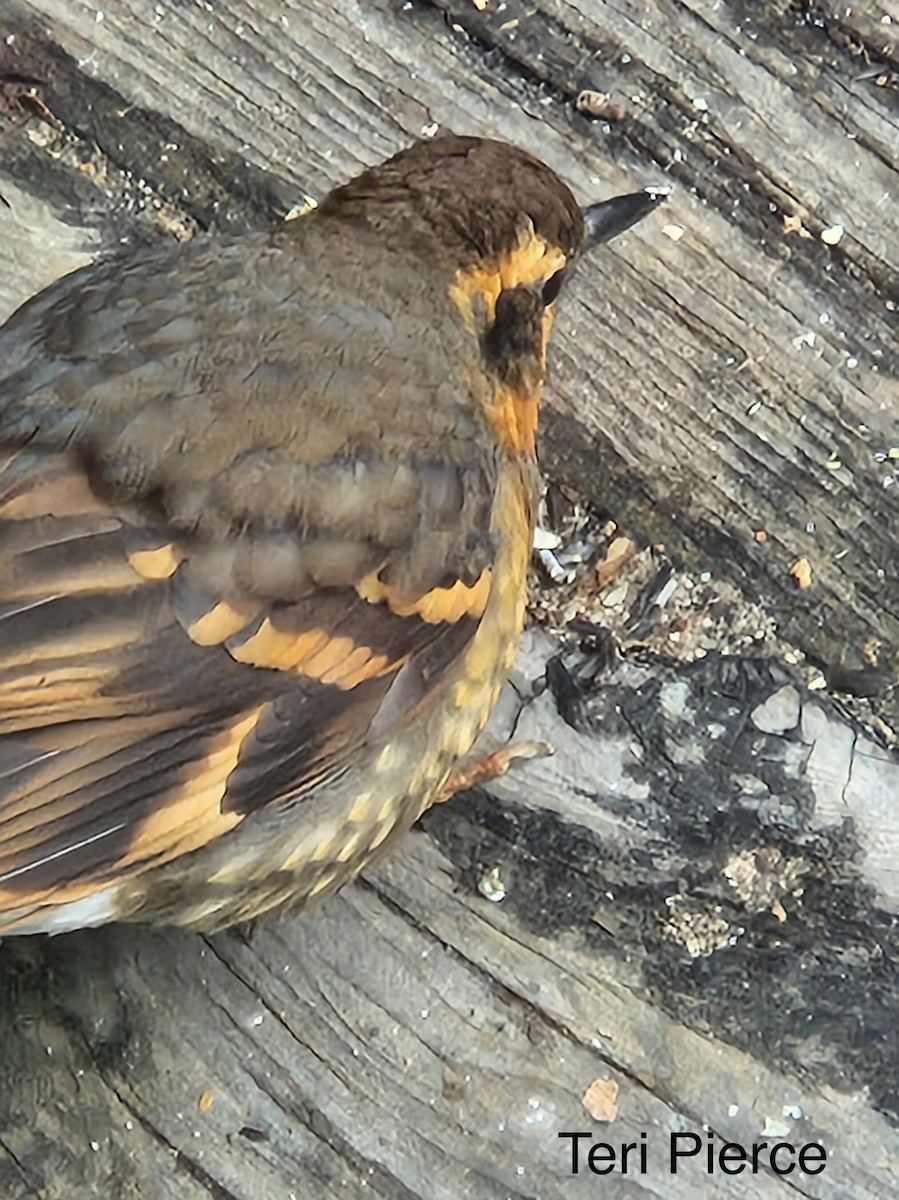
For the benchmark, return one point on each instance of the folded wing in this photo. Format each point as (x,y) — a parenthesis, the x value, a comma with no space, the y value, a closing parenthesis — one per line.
(225,527)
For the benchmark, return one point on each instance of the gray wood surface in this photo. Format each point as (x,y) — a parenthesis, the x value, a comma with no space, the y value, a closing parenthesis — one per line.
(701,885)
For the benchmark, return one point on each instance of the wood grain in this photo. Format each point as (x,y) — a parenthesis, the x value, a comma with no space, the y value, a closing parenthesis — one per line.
(701,885)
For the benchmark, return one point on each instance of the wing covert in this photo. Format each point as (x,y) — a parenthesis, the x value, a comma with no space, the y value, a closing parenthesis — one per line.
(209,579)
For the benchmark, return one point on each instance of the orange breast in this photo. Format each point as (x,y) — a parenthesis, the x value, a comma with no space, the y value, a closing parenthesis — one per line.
(486,662)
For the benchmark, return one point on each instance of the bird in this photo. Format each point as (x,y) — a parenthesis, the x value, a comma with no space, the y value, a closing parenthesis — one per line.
(267,503)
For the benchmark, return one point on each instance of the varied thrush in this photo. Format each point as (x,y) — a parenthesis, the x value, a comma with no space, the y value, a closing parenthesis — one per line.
(266,509)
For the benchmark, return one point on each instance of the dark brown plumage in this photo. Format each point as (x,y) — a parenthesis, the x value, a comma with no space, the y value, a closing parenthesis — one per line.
(266,505)
(494,187)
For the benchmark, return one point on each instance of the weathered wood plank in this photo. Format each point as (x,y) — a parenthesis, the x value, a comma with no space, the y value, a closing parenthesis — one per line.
(701,885)
(778,410)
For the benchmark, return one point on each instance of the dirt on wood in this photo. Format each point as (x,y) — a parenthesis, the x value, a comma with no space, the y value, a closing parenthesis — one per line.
(688,913)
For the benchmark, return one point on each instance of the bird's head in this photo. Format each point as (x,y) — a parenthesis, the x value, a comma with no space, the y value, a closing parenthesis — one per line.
(502,226)
(500,215)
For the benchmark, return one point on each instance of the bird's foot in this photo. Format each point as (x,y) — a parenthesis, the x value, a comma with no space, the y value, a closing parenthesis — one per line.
(490,766)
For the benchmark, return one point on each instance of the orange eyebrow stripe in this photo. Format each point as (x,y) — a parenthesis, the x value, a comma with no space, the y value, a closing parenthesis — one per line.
(532,260)
(440,604)
(513,416)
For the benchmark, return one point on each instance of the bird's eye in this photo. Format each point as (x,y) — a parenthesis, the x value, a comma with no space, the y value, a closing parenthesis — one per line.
(552,287)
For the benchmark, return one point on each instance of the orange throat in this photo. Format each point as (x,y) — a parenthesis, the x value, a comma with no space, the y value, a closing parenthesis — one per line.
(514,417)
(513,411)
